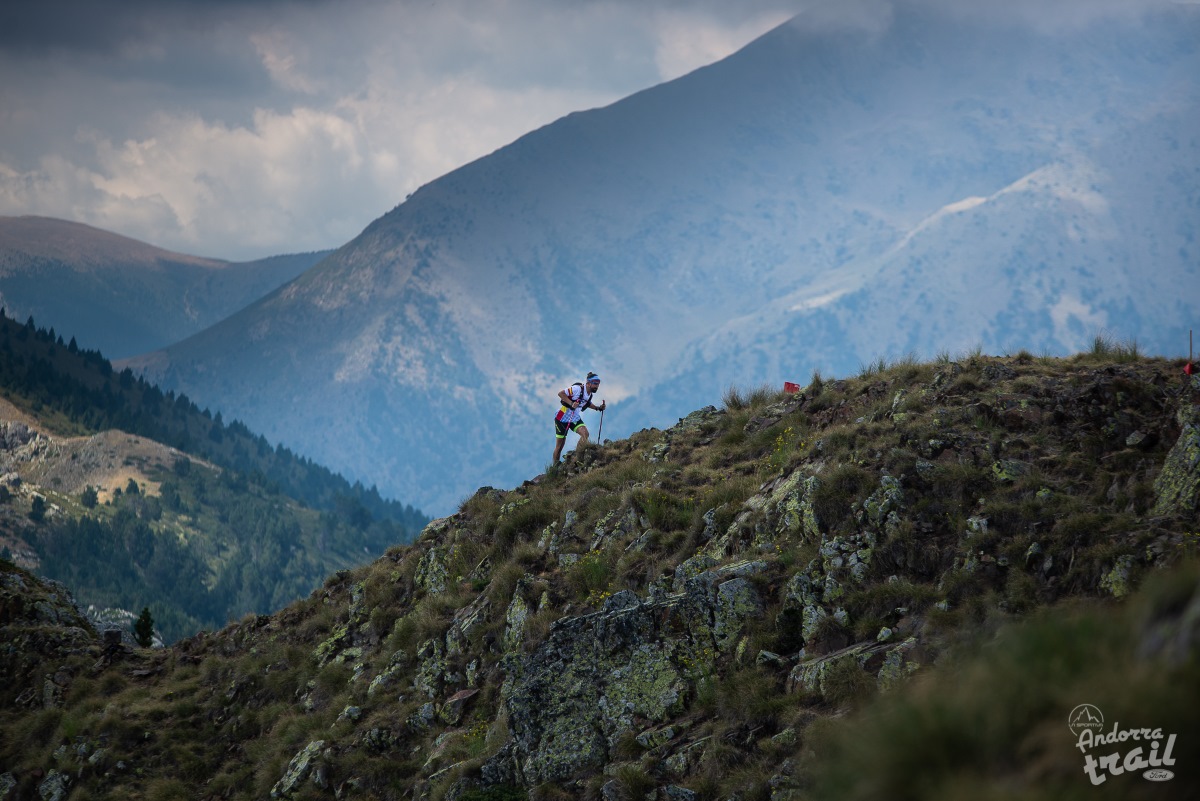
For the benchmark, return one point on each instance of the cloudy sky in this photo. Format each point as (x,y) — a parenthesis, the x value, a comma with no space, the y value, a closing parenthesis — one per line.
(244,128)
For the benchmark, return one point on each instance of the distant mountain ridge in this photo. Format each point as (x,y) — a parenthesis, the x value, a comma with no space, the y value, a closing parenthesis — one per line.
(818,200)
(119,295)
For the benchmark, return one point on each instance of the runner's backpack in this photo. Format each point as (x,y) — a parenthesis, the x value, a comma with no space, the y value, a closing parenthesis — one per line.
(580,385)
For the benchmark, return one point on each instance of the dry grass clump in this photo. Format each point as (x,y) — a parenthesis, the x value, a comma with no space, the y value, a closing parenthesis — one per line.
(736,399)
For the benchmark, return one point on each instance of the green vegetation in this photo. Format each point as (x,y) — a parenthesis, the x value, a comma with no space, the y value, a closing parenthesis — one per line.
(143,629)
(935,564)
(208,549)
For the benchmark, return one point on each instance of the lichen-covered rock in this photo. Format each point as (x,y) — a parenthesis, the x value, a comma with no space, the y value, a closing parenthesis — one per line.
(423,718)
(451,712)
(432,574)
(647,685)
(436,528)
(1178,484)
(39,627)
(8,783)
(787,509)
(882,503)
(298,770)
(737,601)
(389,675)
(515,617)
(657,453)
(54,787)
(813,675)
(1117,580)
(597,675)
(896,665)
(467,621)
(847,557)
(431,668)
(802,599)
(794,505)
(656,737)
(690,568)
(697,419)
(1009,470)
(332,645)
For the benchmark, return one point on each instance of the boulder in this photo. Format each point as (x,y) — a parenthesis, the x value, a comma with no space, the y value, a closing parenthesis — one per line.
(298,770)
(54,787)
(599,676)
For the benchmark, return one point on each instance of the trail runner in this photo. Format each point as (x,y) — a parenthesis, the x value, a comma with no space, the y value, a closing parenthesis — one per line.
(575,399)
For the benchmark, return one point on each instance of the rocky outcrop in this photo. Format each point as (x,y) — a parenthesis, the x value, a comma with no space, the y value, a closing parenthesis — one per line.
(619,671)
(39,627)
(306,765)
(1178,485)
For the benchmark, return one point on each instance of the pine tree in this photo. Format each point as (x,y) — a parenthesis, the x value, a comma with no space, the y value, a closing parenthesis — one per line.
(143,629)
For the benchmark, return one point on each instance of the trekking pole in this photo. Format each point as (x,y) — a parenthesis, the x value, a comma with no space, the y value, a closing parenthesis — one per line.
(601,430)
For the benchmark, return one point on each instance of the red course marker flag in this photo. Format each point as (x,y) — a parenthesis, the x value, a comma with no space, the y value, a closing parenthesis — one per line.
(788,386)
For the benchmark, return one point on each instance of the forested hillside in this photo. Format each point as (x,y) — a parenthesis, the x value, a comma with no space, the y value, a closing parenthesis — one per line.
(210,526)
(198,545)
(76,391)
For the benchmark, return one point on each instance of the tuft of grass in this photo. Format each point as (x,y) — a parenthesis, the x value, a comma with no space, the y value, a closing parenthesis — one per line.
(634,782)
(665,511)
(1106,349)
(591,577)
(736,399)
(750,695)
(847,684)
(873,369)
(839,489)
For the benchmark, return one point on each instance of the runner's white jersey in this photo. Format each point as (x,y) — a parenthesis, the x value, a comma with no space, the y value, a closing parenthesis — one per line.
(569,415)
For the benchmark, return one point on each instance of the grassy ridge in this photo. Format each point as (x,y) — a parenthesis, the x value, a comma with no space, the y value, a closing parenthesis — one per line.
(1012,557)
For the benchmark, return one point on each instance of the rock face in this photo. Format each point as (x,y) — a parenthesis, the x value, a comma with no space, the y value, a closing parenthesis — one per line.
(1178,485)
(619,671)
(39,626)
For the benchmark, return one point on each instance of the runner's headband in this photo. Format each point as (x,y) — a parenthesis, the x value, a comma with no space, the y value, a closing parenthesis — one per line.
(594,379)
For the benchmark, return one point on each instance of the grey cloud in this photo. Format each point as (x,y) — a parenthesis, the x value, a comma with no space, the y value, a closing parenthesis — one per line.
(109,25)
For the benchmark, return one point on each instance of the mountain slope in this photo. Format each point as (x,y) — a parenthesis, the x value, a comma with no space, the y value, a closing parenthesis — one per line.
(119,295)
(901,582)
(811,202)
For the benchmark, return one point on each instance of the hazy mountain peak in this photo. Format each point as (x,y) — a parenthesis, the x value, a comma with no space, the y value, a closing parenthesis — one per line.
(814,201)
